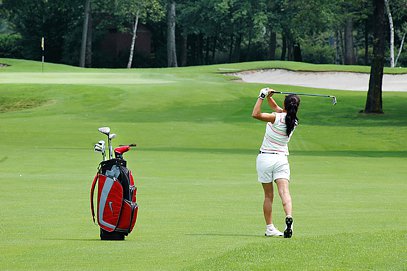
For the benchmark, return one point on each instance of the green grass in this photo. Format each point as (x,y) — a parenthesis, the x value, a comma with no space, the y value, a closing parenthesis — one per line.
(17,65)
(200,203)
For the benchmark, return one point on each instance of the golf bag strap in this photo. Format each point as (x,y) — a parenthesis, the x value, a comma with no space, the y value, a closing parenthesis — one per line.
(92,190)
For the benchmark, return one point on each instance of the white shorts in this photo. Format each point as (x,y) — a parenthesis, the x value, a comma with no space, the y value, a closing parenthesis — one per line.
(271,167)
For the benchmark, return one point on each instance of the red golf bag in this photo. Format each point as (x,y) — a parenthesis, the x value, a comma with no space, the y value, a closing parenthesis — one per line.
(116,202)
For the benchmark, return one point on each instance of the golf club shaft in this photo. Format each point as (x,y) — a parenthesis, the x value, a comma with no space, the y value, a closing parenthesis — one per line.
(308,94)
(303,94)
(110,149)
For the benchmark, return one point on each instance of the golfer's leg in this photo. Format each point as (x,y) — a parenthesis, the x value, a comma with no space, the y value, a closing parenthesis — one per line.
(268,202)
(284,192)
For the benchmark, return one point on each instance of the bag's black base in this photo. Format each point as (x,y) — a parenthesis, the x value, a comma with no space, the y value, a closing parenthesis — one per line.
(105,235)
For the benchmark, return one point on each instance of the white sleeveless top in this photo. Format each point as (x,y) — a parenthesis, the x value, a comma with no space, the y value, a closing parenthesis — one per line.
(276,139)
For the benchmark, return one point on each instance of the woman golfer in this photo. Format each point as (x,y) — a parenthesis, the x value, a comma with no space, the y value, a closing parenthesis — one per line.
(272,163)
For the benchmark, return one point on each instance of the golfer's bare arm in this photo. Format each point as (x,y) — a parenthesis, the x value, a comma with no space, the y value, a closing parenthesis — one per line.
(273,105)
(257,114)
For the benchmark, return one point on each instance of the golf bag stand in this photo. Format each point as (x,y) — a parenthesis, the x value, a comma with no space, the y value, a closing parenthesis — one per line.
(116,201)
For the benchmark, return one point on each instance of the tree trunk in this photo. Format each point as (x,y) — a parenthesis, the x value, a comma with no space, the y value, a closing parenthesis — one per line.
(297,52)
(133,41)
(171,47)
(84,34)
(236,57)
(214,49)
(88,55)
(374,94)
(290,55)
(232,38)
(201,48)
(386,2)
(184,49)
(349,57)
(284,48)
(400,49)
(337,48)
(272,45)
(341,46)
(366,58)
(207,49)
(249,44)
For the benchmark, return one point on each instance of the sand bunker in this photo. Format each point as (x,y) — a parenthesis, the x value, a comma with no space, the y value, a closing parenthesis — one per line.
(325,80)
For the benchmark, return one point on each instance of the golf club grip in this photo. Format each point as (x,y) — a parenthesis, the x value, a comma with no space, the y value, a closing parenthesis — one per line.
(130,145)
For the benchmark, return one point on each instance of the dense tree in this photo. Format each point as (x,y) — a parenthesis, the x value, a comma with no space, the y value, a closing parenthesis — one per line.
(403,36)
(130,12)
(396,11)
(34,19)
(203,31)
(203,27)
(352,16)
(298,19)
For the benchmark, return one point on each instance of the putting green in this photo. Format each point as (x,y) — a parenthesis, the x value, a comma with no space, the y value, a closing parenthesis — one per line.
(200,203)
(79,78)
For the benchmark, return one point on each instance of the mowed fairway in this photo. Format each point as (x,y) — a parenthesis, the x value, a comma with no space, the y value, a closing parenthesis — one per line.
(200,202)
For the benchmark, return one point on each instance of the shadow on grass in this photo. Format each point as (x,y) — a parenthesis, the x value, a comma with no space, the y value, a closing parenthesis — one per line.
(242,151)
(225,234)
(377,154)
(238,111)
(72,239)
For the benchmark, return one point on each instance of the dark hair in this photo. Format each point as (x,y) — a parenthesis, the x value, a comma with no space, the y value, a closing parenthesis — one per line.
(291,104)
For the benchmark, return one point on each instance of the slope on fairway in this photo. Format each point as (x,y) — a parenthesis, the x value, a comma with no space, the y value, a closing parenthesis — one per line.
(200,204)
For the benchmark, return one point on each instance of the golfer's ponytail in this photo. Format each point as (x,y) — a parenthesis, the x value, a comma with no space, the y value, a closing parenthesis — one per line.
(291,104)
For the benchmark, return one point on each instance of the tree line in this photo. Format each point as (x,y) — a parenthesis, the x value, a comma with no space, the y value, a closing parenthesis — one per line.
(199,32)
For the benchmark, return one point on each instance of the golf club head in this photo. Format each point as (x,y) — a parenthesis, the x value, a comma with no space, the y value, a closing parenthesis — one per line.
(100,148)
(111,136)
(333,100)
(104,130)
(97,148)
(102,144)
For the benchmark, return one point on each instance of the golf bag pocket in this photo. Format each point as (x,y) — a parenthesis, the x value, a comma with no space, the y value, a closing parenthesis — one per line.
(128,217)
(110,201)
(133,193)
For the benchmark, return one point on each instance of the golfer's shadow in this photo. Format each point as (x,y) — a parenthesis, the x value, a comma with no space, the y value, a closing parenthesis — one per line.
(73,239)
(224,234)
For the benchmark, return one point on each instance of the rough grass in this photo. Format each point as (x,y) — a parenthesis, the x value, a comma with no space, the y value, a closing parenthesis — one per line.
(9,105)
(200,204)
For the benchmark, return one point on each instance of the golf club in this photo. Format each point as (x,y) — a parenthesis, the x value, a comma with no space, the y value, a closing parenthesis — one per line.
(106,131)
(100,147)
(111,136)
(308,94)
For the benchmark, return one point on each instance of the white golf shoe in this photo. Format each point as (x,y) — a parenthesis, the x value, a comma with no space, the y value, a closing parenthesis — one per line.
(272,231)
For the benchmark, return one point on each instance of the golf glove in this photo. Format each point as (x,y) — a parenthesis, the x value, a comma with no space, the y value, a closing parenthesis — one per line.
(263,93)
